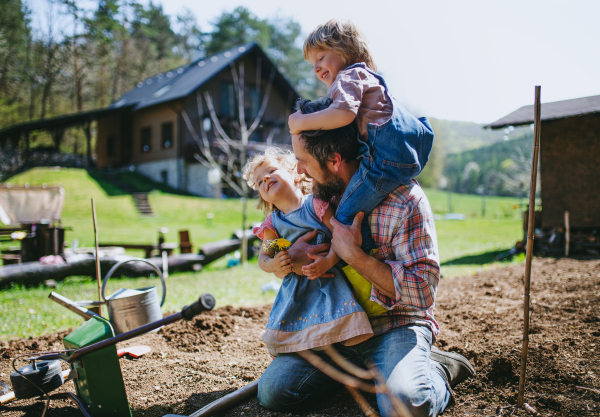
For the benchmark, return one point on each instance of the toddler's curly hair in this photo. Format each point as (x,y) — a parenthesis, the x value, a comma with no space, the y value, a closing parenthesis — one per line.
(285,159)
(344,38)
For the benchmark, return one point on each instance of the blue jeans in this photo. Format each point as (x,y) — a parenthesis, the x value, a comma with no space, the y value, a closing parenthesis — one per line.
(401,354)
(392,155)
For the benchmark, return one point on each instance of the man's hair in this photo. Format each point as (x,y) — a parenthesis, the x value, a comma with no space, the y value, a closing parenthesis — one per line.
(344,38)
(322,144)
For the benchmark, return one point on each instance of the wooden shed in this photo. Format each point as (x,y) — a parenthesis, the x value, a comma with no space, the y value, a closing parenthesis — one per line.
(569,159)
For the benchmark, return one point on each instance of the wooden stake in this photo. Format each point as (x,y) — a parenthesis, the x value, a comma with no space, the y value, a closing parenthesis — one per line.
(530,227)
(567,233)
(98,279)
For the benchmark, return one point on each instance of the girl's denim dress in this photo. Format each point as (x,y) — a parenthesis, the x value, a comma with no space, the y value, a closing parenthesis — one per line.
(394,154)
(307,313)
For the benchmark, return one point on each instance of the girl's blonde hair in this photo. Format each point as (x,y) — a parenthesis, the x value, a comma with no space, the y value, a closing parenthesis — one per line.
(285,159)
(344,38)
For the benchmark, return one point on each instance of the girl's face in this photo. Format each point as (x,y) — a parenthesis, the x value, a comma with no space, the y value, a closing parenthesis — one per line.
(274,182)
(326,64)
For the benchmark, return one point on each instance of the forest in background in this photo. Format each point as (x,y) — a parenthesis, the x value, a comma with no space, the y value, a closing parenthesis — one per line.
(76,59)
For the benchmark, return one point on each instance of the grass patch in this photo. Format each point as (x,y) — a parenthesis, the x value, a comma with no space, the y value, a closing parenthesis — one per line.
(465,247)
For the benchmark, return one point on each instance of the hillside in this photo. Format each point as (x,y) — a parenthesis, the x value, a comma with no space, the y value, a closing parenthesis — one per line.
(461,136)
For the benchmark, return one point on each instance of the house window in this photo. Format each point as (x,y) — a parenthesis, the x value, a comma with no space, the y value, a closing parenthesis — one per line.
(228,101)
(111,145)
(167,135)
(146,136)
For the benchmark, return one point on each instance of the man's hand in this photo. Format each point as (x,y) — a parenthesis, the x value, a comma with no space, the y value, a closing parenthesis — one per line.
(294,123)
(301,248)
(347,239)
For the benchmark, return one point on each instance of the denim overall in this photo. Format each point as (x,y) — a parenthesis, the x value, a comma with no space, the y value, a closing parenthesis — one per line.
(395,153)
(307,313)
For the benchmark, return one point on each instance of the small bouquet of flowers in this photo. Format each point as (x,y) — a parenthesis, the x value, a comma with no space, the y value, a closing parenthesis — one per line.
(276,245)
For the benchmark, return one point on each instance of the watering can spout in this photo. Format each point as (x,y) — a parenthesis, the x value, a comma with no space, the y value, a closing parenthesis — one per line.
(72,305)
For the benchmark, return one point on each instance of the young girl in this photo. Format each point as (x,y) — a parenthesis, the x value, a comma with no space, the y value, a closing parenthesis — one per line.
(308,312)
(395,145)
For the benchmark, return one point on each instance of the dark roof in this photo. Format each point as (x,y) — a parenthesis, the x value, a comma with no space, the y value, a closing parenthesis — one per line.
(183,81)
(550,111)
(59,122)
(170,85)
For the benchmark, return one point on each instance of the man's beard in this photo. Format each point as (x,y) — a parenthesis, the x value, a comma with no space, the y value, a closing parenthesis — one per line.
(332,186)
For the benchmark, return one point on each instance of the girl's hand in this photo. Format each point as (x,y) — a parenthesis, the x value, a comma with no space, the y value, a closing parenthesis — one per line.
(283,262)
(294,122)
(318,268)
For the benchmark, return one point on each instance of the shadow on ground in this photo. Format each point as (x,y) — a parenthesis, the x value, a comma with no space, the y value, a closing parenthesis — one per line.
(482,258)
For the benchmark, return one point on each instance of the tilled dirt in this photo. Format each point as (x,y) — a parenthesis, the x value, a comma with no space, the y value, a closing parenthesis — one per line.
(481,317)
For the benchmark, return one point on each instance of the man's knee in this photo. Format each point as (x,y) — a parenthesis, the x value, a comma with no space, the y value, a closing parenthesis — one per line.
(419,399)
(273,396)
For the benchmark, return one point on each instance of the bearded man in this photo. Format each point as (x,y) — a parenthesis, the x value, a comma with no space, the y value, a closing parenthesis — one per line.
(404,275)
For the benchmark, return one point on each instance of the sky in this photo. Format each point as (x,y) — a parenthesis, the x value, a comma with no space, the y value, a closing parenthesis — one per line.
(472,61)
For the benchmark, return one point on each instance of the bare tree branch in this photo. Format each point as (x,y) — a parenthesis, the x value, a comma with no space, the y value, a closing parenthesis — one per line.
(208,154)
(334,374)
(399,407)
(263,105)
(362,403)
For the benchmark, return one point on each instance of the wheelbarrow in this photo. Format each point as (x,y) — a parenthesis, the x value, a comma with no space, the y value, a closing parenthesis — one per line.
(127,309)
(94,365)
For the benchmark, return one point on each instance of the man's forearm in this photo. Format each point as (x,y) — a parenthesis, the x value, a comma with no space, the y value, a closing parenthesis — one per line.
(376,272)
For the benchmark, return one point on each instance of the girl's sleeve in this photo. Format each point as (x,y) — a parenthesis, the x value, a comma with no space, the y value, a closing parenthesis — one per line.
(266,224)
(320,207)
(348,89)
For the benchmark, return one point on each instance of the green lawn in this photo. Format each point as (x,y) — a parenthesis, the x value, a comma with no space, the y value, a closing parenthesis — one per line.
(465,246)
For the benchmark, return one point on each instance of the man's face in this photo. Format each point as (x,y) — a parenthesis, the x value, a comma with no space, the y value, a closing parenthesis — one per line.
(326,184)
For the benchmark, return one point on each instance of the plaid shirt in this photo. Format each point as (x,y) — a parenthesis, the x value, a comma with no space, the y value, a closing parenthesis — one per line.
(403,229)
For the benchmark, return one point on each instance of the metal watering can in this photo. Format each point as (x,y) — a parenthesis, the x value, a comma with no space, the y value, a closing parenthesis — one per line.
(127,309)
(130,309)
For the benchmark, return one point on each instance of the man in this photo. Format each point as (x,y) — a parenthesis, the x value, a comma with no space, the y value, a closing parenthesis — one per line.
(404,275)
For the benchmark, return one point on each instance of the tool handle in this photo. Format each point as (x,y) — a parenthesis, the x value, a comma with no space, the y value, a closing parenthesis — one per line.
(206,302)
(228,401)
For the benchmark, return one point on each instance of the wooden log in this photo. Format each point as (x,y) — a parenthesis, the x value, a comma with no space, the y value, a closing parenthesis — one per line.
(215,250)
(32,273)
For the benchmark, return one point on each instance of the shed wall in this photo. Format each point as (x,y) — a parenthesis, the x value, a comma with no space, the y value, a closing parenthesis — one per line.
(570,171)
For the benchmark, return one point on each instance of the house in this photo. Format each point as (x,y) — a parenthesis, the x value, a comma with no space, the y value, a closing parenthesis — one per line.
(146,129)
(569,159)
(152,136)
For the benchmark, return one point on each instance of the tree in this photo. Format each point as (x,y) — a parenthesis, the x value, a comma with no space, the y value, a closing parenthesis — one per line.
(101,31)
(234,149)
(14,34)
(189,36)
(277,37)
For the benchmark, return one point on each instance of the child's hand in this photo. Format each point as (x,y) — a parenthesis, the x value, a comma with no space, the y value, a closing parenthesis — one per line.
(283,262)
(318,268)
(294,122)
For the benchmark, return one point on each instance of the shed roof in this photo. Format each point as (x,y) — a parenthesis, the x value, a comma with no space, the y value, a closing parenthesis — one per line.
(550,111)
(183,81)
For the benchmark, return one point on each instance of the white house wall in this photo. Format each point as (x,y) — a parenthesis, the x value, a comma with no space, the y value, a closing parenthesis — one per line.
(197,181)
(154,169)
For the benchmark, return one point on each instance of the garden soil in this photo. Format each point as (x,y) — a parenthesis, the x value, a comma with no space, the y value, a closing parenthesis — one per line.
(481,316)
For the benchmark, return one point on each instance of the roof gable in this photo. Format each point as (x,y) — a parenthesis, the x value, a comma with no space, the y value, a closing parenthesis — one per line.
(550,111)
(183,81)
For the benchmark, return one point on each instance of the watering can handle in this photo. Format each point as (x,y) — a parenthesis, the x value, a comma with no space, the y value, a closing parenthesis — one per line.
(118,265)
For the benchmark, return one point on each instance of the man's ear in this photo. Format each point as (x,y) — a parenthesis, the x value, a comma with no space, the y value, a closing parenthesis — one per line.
(334,162)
